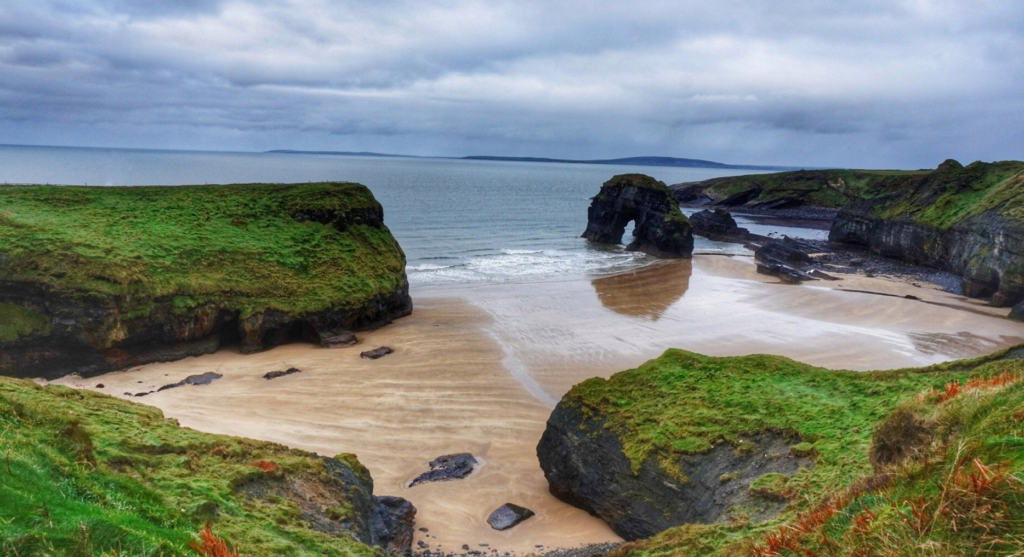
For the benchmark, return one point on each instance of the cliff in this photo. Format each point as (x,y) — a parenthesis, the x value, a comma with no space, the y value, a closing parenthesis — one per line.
(967,220)
(716,456)
(661,229)
(786,190)
(103,278)
(88,474)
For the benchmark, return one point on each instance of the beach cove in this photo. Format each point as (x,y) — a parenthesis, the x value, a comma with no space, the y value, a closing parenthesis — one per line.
(477,368)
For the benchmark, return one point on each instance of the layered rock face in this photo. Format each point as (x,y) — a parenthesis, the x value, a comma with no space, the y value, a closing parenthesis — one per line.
(660,229)
(99,279)
(966,220)
(585,466)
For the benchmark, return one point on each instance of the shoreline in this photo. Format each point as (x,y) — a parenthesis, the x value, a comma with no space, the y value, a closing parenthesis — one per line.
(476,368)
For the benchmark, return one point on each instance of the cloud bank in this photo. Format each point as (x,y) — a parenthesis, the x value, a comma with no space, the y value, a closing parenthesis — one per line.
(897,83)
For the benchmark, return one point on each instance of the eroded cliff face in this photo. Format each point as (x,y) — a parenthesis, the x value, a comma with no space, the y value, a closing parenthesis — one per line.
(308,262)
(660,230)
(965,220)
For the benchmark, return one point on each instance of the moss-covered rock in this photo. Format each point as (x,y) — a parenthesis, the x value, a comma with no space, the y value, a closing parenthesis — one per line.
(661,229)
(967,220)
(648,449)
(88,474)
(97,279)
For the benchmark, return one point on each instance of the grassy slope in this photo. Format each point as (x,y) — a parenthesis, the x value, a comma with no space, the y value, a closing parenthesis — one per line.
(237,244)
(685,403)
(86,474)
(957,193)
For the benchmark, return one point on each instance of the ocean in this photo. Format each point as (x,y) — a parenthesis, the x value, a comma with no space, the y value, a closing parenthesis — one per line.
(459,221)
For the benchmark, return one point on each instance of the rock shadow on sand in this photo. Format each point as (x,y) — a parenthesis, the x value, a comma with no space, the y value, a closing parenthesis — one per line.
(647,292)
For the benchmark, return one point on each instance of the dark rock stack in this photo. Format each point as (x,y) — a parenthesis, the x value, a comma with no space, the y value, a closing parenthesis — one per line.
(661,228)
(585,466)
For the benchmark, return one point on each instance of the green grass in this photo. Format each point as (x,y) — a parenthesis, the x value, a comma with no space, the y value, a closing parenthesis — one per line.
(234,245)
(684,403)
(17,321)
(85,474)
(955,193)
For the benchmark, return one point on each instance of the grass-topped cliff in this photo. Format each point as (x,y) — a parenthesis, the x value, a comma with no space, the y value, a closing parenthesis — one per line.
(964,219)
(129,265)
(878,463)
(85,474)
(241,245)
(813,188)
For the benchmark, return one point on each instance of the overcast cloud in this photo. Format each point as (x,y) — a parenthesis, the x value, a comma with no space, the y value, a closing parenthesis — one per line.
(894,83)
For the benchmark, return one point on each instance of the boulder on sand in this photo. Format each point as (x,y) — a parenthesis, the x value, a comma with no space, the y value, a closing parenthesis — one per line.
(508,516)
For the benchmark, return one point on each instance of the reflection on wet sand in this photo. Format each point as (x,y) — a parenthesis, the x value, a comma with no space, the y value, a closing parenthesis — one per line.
(963,341)
(645,292)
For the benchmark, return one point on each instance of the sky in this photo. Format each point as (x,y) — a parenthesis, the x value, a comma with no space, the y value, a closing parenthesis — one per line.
(854,83)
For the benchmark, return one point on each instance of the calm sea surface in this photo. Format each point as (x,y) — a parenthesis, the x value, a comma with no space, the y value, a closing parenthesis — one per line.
(458,221)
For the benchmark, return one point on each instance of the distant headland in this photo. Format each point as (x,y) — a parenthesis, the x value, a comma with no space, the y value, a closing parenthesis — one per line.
(641,161)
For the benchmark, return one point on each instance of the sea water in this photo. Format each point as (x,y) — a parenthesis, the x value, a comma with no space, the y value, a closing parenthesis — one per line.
(459,221)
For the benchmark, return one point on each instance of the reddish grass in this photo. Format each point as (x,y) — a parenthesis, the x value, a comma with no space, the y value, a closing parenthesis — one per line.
(212,546)
(267,466)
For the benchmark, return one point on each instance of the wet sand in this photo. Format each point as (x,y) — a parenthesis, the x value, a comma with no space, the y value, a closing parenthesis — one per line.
(478,368)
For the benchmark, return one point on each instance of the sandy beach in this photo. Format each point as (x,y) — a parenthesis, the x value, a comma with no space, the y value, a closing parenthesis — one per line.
(478,368)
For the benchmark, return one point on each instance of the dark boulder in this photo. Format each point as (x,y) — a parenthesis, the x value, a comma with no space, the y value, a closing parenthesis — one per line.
(717,223)
(585,466)
(1017,313)
(276,374)
(201,379)
(447,467)
(338,339)
(376,353)
(660,230)
(508,516)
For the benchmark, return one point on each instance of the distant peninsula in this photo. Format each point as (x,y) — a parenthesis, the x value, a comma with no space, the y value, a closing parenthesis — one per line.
(626,161)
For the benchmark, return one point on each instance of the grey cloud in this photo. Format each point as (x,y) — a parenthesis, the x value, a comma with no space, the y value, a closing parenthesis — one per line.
(874,83)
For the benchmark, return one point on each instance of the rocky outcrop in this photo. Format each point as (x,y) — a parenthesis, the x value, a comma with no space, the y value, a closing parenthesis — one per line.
(786,259)
(585,466)
(965,220)
(660,230)
(340,502)
(508,516)
(80,311)
(446,468)
(717,222)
